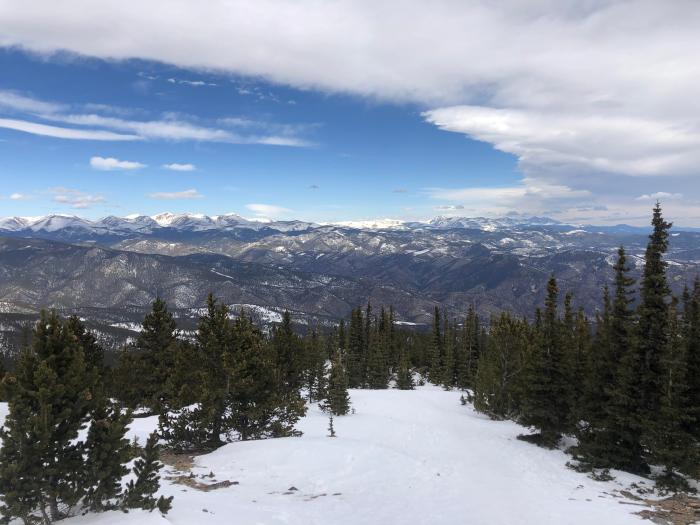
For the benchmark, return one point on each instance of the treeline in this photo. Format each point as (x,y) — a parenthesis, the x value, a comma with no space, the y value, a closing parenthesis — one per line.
(626,384)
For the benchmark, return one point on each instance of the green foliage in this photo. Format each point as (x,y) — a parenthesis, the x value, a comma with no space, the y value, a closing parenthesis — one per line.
(497,382)
(106,453)
(151,358)
(337,401)
(544,404)
(140,492)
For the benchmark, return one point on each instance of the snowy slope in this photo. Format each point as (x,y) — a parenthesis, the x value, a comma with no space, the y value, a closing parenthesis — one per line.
(415,457)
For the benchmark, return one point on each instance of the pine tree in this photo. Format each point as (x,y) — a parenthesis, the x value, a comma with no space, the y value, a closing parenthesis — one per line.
(377,358)
(692,353)
(151,358)
(258,407)
(337,401)
(672,443)
(404,377)
(653,323)
(545,405)
(331,429)
(106,453)
(468,351)
(288,348)
(315,367)
(436,350)
(356,361)
(50,397)
(449,369)
(140,492)
(496,383)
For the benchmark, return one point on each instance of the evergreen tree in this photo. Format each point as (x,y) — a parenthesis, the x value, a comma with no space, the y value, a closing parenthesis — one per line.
(106,453)
(288,348)
(436,350)
(140,492)
(449,369)
(377,359)
(496,385)
(258,407)
(404,377)
(50,398)
(315,369)
(469,351)
(545,405)
(692,355)
(356,361)
(151,358)
(653,316)
(337,401)
(672,443)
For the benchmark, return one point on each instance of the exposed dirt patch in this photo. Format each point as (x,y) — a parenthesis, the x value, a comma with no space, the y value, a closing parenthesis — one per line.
(179,462)
(679,509)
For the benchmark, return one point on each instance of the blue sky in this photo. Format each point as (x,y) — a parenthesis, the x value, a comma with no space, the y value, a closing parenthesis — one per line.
(586,112)
(347,157)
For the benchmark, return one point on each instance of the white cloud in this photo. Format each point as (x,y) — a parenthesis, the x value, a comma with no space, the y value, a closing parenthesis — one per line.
(75,198)
(19,197)
(171,127)
(531,195)
(267,210)
(660,196)
(176,195)
(111,164)
(63,133)
(180,167)
(18,102)
(582,93)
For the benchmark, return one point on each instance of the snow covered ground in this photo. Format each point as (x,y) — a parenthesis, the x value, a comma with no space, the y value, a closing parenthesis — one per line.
(415,457)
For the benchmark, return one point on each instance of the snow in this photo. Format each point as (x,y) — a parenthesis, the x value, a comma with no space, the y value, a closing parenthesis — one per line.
(416,457)
(372,224)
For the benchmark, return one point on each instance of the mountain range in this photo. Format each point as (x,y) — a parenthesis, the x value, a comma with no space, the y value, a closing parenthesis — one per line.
(114,267)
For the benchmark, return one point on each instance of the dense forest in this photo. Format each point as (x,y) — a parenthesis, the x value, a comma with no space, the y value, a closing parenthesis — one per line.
(625,384)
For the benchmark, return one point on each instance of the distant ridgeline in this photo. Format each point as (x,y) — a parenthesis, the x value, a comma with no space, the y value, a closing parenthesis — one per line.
(625,383)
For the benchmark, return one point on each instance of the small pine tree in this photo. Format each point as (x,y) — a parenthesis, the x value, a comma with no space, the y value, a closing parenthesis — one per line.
(545,404)
(140,492)
(107,452)
(338,399)
(436,350)
(331,430)
(404,376)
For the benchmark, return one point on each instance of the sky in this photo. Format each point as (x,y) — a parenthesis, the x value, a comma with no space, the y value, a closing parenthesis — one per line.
(583,111)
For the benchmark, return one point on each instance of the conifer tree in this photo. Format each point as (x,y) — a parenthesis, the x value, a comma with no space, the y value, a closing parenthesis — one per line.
(436,350)
(337,400)
(50,397)
(671,442)
(692,355)
(289,352)
(468,351)
(106,453)
(448,373)
(315,368)
(356,361)
(496,385)
(377,359)
(545,405)
(258,407)
(140,492)
(404,377)
(653,323)
(151,358)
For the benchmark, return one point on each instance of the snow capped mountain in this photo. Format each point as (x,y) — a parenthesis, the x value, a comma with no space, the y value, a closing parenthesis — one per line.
(52,223)
(373,224)
(490,224)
